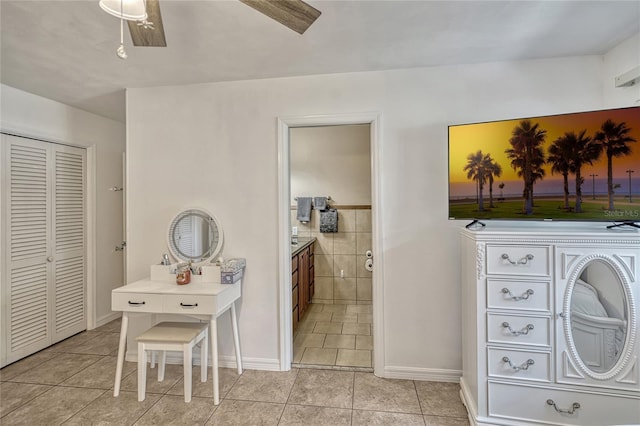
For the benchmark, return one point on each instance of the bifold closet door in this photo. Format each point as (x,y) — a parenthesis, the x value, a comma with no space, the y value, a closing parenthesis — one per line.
(44,244)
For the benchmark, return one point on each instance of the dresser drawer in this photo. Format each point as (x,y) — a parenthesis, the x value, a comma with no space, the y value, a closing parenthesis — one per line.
(518,260)
(530,403)
(521,295)
(136,302)
(520,365)
(518,330)
(189,305)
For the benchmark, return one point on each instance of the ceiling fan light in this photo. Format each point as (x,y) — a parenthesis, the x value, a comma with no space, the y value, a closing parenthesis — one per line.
(132,10)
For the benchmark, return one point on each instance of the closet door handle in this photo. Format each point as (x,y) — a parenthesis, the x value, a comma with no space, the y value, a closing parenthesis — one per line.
(49,258)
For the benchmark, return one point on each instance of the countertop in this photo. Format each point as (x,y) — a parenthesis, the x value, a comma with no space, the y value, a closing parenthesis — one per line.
(302,244)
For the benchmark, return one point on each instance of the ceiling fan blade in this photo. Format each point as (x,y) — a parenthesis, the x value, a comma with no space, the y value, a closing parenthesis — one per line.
(294,14)
(142,36)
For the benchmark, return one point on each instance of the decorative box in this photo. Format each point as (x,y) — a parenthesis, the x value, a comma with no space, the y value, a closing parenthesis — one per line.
(231,270)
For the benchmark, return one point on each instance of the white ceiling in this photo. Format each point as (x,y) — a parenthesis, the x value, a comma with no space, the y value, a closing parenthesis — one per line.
(65,50)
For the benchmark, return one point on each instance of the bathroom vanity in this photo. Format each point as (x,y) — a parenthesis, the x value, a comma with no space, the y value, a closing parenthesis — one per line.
(302,278)
(550,326)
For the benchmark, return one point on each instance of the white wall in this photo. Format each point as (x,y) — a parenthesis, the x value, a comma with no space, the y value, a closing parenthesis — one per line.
(619,60)
(30,115)
(215,145)
(331,160)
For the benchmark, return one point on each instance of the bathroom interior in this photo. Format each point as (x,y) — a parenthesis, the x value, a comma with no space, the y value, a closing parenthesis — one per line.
(332,262)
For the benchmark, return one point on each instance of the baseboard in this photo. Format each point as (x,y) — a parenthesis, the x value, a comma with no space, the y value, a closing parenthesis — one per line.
(425,374)
(225,361)
(107,318)
(469,403)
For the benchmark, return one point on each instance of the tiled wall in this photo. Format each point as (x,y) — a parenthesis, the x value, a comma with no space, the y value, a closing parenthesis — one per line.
(342,251)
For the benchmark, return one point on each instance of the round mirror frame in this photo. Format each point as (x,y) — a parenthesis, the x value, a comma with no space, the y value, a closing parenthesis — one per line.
(629,341)
(213,222)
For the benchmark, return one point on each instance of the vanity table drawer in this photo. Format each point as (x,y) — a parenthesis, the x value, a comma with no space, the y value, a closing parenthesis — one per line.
(136,302)
(189,305)
(518,260)
(521,295)
(530,403)
(519,365)
(518,330)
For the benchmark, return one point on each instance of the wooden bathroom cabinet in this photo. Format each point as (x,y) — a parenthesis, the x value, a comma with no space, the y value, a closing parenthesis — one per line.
(302,280)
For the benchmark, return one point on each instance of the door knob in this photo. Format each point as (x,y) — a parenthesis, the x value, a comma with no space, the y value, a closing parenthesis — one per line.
(50,259)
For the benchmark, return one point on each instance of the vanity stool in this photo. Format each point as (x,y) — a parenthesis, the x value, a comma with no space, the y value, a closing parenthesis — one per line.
(172,336)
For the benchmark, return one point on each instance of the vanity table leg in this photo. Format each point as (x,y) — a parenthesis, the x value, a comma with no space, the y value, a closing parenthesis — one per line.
(213,337)
(236,336)
(121,350)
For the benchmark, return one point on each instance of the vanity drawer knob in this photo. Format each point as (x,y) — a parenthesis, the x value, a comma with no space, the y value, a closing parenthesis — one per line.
(524,296)
(524,366)
(522,261)
(136,303)
(188,305)
(573,409)
(525,330)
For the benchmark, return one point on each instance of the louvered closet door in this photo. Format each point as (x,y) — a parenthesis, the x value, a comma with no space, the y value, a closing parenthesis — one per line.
(45,282)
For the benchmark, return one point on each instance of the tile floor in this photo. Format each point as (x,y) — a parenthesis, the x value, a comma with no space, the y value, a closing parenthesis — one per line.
(71,383)
(335,335)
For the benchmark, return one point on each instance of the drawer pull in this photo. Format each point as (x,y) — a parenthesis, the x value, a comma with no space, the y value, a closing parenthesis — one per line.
(522,261)
(188,305)
(524,296)
(524,366)
(571,410)
(136,303)
(524,331)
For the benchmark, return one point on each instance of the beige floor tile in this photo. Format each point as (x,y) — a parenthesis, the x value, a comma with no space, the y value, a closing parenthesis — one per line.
(109,410)
(364,342)
(324,388)
(228,377)
(264,386)
(172,410)
(53,407)
(314,307)
(58,369)
(440,399)
(111,327)
(26,364)
(360,309)
(365,318)
(378,394)
(14,395)
(361,329)
(306,327)
(241,413)
(103,344)
(446,421)
(319,356)
(353,358)
(172,373)
(304,340)
(297,355)
(378,418)
(318,316)
(99,375)
(328,328)
(315,416)
(340,341)
(339,317)
(70,343)
(341,309)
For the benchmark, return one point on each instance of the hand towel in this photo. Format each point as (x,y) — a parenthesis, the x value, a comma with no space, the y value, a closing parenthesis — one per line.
(304,209)
(320,203)
(329,221)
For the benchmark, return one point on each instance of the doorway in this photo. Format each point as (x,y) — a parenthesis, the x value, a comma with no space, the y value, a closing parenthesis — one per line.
(341,325)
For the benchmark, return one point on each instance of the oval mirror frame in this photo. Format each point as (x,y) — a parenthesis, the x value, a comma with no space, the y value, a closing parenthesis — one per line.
(215,231)
(630,305)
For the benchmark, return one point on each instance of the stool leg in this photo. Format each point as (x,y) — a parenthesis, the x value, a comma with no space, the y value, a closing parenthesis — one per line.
(161,363)
(203,356)
(187,371)
(152,363)
(142,372)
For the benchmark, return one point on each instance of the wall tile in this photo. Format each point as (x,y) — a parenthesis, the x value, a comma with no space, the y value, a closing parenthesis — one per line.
(364,289)
(363,242)
(363,220)
(344,288)
(344,243)
(345,263)
(324,288)
(323,265)
(361,272)
(324,243)
(346,220)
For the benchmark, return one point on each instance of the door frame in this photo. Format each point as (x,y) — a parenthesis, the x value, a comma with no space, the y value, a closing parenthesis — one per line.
(374,119)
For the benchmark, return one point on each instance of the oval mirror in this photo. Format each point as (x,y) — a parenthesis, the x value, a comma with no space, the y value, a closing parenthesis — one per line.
(599,316)
(195,235)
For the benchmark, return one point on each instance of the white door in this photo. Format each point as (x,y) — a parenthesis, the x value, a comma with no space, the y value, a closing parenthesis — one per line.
(44,278)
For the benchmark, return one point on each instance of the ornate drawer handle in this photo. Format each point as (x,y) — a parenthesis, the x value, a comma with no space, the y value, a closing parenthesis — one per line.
(187,305)
(525,330)
(136,303)
(524,366)
(522,261)
(571,410)
(524,296)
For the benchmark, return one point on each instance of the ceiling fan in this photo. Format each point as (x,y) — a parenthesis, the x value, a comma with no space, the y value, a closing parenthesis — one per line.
(145,21)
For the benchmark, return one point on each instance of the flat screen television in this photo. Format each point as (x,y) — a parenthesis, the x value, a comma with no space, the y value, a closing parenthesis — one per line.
(582,166)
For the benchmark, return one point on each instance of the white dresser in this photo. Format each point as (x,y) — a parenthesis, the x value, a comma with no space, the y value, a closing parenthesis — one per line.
(550,326)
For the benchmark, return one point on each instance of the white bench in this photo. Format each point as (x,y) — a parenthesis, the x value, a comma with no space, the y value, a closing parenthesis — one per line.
(172,336)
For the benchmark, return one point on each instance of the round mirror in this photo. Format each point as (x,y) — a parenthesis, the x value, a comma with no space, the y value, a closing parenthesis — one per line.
(195,235)
(598,303)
